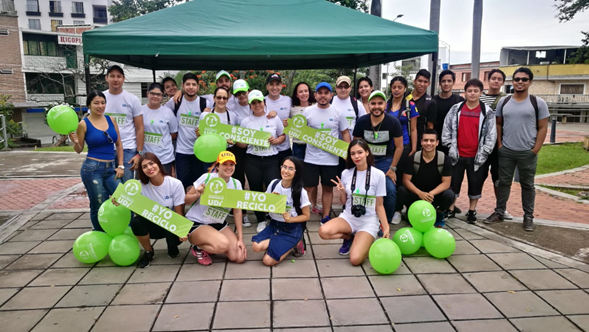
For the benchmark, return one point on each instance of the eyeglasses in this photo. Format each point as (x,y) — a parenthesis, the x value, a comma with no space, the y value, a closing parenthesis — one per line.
(110,140)
(155,94)
(221,98)
(343,87)
(288,168)
(522,79)
(240,93)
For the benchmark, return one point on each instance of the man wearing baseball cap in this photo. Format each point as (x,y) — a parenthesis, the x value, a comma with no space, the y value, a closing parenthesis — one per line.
(223,80)
(281,105)
(349,106)
(318,163)
(383,133)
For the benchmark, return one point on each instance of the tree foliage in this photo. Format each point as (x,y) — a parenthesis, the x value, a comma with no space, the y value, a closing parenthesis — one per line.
(581,55)
(13,129)
(567,9)
(359,5)
(121,10)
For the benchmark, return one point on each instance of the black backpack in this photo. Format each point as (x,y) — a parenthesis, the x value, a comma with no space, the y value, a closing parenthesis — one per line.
(534,102)
(203,104)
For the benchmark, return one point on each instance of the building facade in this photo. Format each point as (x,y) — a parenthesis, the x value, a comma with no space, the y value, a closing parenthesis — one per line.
(464,73)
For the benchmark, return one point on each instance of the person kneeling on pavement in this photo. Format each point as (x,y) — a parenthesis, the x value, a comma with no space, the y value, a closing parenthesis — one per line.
(427,176)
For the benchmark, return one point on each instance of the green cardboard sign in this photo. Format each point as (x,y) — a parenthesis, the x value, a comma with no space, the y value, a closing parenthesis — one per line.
(217,194)
(213,125)
(297,128)
(129,195)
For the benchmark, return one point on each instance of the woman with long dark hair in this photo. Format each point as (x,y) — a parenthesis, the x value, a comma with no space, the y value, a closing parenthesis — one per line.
(98,171)
(301,99)
(285,231)
(164,190)
(362,189)
(365,88)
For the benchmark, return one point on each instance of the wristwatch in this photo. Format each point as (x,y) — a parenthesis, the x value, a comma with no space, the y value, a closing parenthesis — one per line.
(393,168)
(121,167)
(140,153)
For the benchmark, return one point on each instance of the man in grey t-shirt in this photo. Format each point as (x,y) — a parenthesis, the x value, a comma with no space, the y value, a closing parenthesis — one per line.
(521,131)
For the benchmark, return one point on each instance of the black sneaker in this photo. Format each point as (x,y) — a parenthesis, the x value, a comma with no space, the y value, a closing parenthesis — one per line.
(457,210)
(451,213)
(494,218)
(528,224)
(144,261)
(173,252)
(471,217)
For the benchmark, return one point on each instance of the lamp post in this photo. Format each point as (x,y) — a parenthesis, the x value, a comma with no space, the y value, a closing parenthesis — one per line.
(398,16)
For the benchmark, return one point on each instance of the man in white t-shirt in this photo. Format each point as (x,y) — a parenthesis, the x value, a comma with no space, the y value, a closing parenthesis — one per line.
(222,80)
(125,109)
(318,163)
(281,105)
(349,106)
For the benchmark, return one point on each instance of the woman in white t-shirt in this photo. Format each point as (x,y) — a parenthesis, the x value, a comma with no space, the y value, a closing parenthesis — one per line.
(361,188)
(210,232)
(262,162)
(165,190)
(285,231)
(160,127)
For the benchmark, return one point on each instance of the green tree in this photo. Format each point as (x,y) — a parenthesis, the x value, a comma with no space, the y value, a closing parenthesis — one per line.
(122,10)
(359,5)
(13,129)
(581,55)
(567,9)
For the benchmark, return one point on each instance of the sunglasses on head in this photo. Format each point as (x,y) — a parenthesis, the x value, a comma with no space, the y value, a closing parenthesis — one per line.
(522,79)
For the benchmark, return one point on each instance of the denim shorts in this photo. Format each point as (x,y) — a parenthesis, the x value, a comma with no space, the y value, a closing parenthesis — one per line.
(283,237)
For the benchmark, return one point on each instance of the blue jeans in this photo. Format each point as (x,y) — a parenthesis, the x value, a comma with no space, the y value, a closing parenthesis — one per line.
(390,199)
(128,154)
(299,150)
(99,179)
(188,169)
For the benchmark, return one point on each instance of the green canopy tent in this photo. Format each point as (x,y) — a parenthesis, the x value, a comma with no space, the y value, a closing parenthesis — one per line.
(257,34)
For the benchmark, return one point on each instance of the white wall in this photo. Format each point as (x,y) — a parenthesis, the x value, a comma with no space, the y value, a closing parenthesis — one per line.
(66,7)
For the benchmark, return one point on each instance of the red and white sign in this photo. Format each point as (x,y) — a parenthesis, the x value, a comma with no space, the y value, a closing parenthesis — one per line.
(69,40)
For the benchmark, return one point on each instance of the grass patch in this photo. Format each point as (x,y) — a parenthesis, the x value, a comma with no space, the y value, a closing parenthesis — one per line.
(555,158)
(573,192)
(67,148)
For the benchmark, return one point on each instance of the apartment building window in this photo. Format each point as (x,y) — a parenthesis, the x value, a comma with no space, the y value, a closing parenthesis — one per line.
(45,83)
(55,9)
(465,77)
(100,15)
(32,6)
(78,9)
(55,24)
(79,22)
(486,75)
(572,89)
(34,24)
(144,87)
(44,45)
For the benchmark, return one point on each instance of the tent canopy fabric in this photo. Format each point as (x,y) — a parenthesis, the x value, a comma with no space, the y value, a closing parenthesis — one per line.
(257,34)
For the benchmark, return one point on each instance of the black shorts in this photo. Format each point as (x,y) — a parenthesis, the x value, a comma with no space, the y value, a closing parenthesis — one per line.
(313,172)
(218,227)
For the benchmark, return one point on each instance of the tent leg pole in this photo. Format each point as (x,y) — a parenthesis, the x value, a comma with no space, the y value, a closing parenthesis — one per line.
(434,65)
(153,74)
(354,81)
(87,73)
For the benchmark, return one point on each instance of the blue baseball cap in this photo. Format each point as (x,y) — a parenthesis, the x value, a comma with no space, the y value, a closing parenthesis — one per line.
(323,85)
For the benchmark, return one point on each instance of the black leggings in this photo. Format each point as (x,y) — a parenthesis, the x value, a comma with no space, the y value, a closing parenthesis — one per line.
(260,171)
(142,227)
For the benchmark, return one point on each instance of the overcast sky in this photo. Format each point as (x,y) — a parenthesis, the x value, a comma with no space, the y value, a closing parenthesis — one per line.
(505,23)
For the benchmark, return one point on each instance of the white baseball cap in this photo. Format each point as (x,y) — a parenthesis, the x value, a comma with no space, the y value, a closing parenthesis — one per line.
(240,85)
(255,95)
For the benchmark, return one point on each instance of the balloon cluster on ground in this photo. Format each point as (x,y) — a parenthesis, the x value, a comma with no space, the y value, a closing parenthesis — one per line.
(117,240)
(385,254)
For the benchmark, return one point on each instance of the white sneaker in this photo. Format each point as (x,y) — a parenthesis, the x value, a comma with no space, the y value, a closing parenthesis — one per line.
(396,218)
(261,226)
(246,221)
(507,216)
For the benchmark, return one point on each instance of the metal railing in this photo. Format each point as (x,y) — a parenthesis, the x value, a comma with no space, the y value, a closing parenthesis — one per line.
(565,99)
(4,138)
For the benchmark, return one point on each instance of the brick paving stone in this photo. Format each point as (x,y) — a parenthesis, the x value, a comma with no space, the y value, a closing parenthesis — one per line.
(17,278)
(577,277)
(327,251)
(365,328)
(296,289)
(520,304)
(356,312)
(445,284)
(466,306)
(16,248)
(498,281)
(89,295)
(338,268)
(549,264)
(493,325)
(300,314)
(26,193)
(542,279)
(300,268)
(490,246)
(51,223)
(52,247)
(155,273)
(60,277)
(70,216)
(69,319)
(20,321)
(467,235)
(152,293)
(473,263)
(419,265)
(369,270)
(581,321)
(107,275)
(45,298)
(346,287)
(182,317)
(194,291)
(127,318)
(465,248)
(245,290)
(6,260)
(69,260)
(512,261)
(31,262)
(401,309)
(68,234)
(229,315)
(34,235)
(247,270)
(396,285)
(193,272)
(544,324)
(80,223)
(568,302)
(7,293)
(424,327)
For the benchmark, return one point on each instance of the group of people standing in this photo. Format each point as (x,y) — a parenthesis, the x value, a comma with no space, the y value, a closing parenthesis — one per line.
(394,156)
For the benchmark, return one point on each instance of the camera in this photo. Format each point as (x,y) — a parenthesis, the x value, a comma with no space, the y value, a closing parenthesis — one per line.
(358,210)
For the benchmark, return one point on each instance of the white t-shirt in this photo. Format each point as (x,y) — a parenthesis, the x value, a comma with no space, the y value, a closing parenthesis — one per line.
(157,126)
(282,107)
(241,112)
(377,189)
(188,116)
(345,105)
(289,201)
(329,120)
(205,214)
(211,100)
(123,108)
(169,194)
(273,126)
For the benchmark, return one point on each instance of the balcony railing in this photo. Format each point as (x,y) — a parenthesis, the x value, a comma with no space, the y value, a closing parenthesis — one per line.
(566,99)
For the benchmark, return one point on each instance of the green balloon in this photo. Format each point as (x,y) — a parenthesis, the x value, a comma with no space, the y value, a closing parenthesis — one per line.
(113,219)
(422,215)
(208,146)
(124,250)
(91,247)
(62,119)
(439,242)
(384,256)
(408,239)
